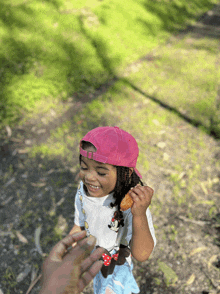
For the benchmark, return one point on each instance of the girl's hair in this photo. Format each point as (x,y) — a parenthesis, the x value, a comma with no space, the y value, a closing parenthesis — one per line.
(123,184)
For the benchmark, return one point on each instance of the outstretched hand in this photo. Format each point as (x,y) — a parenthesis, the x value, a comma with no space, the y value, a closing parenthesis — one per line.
(70,271)
(141,195)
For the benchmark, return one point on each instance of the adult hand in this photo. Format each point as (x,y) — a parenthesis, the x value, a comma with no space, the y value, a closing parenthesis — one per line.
(70,271)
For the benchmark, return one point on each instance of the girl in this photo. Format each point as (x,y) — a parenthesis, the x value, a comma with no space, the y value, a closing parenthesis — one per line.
(108,157)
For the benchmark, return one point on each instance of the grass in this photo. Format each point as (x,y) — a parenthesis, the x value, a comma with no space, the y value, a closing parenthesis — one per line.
(9,280)
(184,79)
(131,110)
(77,46)
(49,60)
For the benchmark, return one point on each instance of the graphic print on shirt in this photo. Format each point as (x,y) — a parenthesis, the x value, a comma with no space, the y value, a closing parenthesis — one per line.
(84,213)
(117,221)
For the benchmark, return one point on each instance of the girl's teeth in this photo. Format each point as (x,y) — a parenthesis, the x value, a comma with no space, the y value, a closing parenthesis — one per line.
(95,187)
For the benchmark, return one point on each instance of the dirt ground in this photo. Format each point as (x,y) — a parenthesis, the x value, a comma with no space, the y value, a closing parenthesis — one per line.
(186,258)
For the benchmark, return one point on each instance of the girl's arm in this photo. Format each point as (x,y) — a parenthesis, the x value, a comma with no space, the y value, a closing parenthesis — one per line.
(141,243)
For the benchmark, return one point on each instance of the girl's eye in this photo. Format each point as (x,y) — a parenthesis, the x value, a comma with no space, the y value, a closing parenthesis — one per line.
(101,174)
(85,168)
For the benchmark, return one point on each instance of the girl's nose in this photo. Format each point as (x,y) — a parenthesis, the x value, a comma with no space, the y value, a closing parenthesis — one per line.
(89,176)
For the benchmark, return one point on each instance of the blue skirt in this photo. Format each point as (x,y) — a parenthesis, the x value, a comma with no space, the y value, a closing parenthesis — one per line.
(121,281)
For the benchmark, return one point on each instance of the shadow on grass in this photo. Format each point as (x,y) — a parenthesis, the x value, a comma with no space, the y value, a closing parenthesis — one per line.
(175,14)
(208,25)
(21,57)
(213,130)
(37,61)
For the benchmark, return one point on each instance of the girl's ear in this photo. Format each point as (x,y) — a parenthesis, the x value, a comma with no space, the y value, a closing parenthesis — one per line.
(131,169)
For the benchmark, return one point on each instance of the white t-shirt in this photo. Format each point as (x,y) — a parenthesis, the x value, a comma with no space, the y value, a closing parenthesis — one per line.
(97,214)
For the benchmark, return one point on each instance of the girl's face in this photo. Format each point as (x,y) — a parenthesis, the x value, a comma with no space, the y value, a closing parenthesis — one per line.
(99,178)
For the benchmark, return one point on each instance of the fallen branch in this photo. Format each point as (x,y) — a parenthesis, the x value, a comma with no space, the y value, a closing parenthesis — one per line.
(33,283)
(200,223)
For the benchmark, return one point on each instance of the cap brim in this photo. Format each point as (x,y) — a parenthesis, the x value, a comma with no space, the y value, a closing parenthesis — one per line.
(137,172)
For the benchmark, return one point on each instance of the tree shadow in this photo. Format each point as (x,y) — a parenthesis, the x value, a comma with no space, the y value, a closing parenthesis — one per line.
(17,62)
(174,15)
(194,122)
(56,3)
(37,68)
(208,25)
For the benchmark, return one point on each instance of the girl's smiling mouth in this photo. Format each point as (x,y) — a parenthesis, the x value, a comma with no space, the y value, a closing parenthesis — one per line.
(92,187)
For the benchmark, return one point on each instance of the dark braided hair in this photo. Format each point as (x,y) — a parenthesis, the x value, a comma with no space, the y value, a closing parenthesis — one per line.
(123,184)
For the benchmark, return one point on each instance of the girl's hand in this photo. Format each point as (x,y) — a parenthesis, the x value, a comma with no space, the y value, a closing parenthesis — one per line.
(141,196)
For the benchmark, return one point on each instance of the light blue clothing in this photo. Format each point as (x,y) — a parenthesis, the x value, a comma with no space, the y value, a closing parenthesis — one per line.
(95,214)
(121,281)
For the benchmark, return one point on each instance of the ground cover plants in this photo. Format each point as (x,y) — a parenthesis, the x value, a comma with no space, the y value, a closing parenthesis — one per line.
(52,49)
(166,99)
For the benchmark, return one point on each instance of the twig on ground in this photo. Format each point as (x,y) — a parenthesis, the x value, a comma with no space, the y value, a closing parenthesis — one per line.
(200,223)
(33,283)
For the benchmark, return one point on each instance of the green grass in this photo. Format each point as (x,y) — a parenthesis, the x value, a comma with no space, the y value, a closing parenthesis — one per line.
(149,124)
(184,77)
(52,49)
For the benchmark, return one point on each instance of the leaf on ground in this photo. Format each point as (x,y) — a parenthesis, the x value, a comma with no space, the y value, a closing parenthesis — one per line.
(170,275)
(181,175)
(38,184)
(191,279)
(213,259)
(21,237)
(23,151)
(24,274)
(37,240)
(9,182)
(156,122)
(161,145)
(166,156)
(34,274)
(206,202)
(60,201)
(9,131)
(204,188)
(6,201)
(197,250)
(61,225)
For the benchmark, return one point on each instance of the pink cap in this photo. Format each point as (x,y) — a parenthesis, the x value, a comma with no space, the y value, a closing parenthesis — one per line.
(113,146)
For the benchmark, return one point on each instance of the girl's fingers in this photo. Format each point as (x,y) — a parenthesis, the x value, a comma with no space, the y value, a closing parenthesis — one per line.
(136,189)
(142,191)
(134,197)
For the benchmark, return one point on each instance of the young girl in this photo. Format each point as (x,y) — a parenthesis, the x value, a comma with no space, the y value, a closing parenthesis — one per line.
(108,157)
